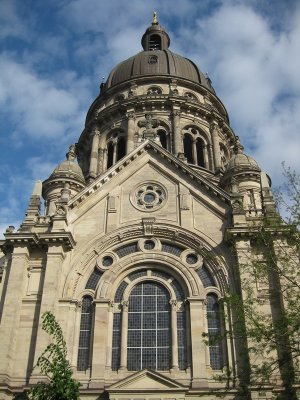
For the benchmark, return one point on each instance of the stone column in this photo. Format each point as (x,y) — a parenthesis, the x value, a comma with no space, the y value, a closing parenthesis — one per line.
(130,131)
(174,334)
(94,153)
(194,150)
(124,334)
(216,144)
(206,160)
(115,144)
(178,148)
(109,343)
(199,379)
(100,161)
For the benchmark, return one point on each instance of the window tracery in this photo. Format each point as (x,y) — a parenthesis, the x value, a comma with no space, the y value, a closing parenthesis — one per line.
(148,311)
(195,148)
(116,149)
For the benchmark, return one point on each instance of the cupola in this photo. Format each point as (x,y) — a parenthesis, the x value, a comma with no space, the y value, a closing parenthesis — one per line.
(155,37)
(67,174)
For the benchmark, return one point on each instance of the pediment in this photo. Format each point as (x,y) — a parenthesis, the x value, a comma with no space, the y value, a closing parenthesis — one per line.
(131,162)
(146,380)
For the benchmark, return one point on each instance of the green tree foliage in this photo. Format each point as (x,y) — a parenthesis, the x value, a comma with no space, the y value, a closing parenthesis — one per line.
(266,316)
(54,365)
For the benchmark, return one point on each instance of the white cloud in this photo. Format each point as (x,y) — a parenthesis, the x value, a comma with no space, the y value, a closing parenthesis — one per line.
(40,107)
(255,70)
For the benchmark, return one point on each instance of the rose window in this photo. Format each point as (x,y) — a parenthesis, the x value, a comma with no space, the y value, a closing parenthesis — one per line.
(149,197)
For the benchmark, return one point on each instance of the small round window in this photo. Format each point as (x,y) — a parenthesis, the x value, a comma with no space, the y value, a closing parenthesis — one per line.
(149,197)
(191,258)
(107,261)
(149,245)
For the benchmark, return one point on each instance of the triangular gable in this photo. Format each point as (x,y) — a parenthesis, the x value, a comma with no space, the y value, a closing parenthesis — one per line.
(145,380)
(148,146)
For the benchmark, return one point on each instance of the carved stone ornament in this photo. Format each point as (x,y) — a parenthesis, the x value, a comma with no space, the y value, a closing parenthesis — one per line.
(148,226)
(149,196)
(61,209)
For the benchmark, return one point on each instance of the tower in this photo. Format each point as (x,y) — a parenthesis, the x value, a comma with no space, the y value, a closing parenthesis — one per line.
(131,253)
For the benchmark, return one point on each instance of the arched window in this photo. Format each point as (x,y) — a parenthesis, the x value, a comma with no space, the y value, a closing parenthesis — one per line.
(188,148)
(195,148)
(155,42)
(149,329)
(110,154)
(214,332)
(200,153)
(162,134)
(84,348)
(206,277)
(116,149)
(149,326)
(121,151)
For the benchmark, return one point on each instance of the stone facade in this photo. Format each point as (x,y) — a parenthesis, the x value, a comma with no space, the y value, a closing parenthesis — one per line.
(131,253)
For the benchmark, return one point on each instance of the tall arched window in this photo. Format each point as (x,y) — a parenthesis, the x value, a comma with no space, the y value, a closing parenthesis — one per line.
(188,148)
(121,150)
(116,149)
(200,152)
(110,154)
(195,147)
(84,348)
(162,134)
(149,328)
(214,332)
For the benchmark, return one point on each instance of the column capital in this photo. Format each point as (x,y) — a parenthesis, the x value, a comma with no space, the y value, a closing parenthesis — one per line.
(130,114)
(176,112)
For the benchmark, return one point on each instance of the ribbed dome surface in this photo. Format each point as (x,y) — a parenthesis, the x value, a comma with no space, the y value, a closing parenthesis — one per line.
(157,62)
(242,161)
(68,169)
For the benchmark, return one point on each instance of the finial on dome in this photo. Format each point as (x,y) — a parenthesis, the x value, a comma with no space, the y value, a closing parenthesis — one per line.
(71,153)
(155,21)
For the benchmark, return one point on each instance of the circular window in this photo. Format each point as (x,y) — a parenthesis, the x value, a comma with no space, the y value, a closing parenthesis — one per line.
(149,197)
(107,261)
(149,245)
(191,258)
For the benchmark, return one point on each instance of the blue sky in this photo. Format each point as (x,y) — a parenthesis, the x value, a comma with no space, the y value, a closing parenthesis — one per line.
(53,55)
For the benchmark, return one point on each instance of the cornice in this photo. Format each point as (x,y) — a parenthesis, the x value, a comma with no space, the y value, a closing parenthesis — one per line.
(38,240)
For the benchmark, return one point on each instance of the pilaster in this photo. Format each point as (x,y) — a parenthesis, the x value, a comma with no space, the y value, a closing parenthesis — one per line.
(12,308)
(199,379)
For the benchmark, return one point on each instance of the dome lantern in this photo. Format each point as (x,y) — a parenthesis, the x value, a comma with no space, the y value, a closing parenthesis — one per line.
(155,37)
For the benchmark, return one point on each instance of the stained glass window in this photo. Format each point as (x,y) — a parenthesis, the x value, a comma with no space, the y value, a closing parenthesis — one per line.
(93,279)
(149,339)
(214,332)
(85,334)
(206,277)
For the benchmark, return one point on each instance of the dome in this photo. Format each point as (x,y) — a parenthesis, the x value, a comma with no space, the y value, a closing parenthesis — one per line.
(242,161)
(157,62)
(68,169)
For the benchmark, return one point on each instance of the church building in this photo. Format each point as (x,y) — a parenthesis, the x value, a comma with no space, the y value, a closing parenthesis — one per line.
(145,224)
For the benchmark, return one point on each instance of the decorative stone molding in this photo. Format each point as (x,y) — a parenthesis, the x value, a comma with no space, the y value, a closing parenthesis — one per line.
(148,226)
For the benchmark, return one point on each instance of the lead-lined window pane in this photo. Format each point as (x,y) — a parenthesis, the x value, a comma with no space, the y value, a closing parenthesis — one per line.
(85,334)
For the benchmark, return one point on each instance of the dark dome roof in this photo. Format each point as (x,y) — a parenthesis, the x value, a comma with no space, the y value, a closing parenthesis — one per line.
(157,62)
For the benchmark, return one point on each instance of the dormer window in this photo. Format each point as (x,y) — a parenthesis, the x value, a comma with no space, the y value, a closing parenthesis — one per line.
(155,42)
